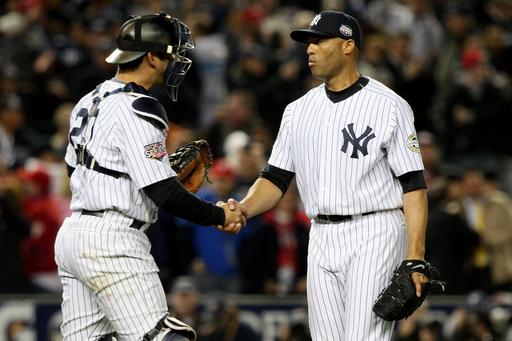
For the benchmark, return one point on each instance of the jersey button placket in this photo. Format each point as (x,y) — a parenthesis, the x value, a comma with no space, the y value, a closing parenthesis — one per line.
(329,124)
(325,156)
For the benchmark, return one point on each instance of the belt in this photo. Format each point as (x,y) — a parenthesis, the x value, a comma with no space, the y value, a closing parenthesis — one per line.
(136,224)
(323,218)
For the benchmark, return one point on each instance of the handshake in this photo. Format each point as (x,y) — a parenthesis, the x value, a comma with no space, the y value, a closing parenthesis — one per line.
(236,217)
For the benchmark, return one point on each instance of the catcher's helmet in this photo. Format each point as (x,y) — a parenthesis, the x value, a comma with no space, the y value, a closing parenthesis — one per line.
(157,33)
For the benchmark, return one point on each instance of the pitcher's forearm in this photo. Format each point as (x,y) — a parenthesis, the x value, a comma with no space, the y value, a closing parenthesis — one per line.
(416,210)
(261,197)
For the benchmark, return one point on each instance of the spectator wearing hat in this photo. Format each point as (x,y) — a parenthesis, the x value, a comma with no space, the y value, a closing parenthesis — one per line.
(41,208)
(184,301)
(474,112)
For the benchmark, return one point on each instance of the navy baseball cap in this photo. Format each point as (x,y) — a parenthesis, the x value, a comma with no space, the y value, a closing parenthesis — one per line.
(331,24)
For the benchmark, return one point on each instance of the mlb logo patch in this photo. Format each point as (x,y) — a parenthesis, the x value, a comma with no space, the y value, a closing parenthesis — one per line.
(155,151)
(346,30)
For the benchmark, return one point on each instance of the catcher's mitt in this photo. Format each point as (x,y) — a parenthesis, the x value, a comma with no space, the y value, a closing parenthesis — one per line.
(191,163)
(399,299)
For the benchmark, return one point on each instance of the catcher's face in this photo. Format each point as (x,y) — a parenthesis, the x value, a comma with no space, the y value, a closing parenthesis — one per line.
(161,63)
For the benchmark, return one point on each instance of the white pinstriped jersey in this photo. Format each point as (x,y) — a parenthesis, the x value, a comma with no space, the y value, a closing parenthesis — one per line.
(347,155)
(122,141)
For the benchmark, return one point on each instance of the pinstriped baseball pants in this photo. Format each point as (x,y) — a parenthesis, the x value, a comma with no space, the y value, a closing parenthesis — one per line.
(349,264)
(110,280)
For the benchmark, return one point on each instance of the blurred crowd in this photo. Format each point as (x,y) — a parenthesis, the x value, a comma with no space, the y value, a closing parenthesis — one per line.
(480,317)
(450,59)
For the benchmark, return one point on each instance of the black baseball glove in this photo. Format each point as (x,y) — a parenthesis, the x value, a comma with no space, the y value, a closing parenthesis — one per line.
(399,299)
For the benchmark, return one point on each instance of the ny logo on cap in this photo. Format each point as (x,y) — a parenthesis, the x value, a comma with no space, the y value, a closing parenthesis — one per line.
(315,20)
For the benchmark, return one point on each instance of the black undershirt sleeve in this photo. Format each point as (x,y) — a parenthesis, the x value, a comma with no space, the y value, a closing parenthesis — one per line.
(70,169)
(412,180)
(175,199)
(278,176)
(282,179)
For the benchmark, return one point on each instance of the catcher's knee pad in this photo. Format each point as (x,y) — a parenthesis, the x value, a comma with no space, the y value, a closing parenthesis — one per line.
(171,329)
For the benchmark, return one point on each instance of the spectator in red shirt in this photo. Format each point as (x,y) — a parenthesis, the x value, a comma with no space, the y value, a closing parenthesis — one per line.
(41,208)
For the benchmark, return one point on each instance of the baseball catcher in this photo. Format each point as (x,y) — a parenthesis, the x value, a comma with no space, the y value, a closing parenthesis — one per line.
(399,299)
(117,144)
(191,163)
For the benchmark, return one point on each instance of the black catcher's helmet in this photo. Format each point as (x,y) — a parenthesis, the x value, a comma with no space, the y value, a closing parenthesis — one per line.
(157,33)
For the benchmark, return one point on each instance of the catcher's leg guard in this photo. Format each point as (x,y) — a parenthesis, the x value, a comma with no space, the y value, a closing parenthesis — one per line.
(171,329)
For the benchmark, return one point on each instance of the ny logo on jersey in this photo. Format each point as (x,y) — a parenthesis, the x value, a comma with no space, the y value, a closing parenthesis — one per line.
(350,136)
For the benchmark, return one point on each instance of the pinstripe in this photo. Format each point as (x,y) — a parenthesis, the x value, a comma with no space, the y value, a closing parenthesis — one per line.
(107,274)
(349,263)
(309,145)
(345,275)
(118,144)
(109,277)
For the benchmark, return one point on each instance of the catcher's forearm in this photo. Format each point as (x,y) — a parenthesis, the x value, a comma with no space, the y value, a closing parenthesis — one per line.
(262,196)
(415,211)
(173,198)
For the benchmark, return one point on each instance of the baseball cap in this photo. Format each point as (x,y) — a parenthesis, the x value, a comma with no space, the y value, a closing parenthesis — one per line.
(221,169)
(39,177)
(426,138)
(184,284)
(472,57)
(331,24)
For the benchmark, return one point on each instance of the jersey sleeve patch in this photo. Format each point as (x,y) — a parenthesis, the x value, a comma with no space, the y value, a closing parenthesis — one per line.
(413,144)
(149,107)
(155,151)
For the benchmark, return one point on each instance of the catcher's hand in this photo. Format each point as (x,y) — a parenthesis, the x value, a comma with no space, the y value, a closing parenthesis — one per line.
(191,163)
(399,299)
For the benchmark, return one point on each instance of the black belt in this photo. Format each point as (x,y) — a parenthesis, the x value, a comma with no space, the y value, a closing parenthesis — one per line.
(136,224)
(337,218)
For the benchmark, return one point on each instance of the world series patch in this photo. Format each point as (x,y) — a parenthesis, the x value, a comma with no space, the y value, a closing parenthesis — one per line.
(346,30)
(155,151)
(413,144)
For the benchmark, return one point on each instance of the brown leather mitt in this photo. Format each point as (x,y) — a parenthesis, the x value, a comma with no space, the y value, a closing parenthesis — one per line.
(191,163)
